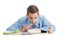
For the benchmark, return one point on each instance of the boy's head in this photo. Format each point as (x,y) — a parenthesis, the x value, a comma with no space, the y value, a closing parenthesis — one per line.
(32,13)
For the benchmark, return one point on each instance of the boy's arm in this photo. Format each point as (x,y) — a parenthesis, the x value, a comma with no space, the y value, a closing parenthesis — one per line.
(47,26)
(16,26)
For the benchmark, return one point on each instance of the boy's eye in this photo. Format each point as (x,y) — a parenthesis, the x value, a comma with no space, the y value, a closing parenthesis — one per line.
(30,17)
(35,17)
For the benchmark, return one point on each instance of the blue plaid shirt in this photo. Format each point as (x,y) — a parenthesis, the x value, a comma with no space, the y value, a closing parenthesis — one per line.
(41,23)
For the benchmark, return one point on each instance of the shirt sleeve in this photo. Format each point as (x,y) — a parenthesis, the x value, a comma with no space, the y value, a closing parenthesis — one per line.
(46,24)
(16,26)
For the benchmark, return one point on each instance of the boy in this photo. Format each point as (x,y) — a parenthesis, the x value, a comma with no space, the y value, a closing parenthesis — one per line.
(32,20)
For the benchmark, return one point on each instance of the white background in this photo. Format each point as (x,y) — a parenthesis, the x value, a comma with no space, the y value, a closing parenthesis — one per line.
(12,10)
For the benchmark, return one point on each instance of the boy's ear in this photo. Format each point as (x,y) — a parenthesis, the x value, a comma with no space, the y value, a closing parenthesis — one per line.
(26,14)
(38,13)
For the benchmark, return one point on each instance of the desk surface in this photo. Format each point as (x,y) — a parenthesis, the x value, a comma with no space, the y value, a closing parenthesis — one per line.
(22,33)
(17,32)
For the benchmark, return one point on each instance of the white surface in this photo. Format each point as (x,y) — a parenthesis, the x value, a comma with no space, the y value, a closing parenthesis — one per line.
(12,10)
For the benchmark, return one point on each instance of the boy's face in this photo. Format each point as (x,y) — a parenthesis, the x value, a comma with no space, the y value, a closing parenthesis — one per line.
(33,17)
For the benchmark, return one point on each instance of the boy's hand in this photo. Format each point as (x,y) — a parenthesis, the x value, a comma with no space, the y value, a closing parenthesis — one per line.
(50,30)
(26,27)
